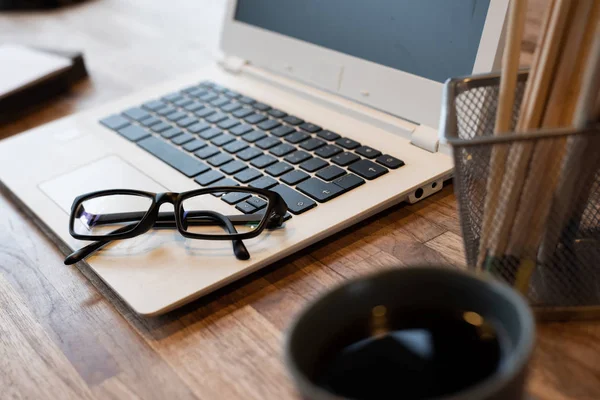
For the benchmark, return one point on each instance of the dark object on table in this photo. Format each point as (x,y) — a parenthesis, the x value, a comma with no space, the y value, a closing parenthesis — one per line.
(28,97)
(35,4)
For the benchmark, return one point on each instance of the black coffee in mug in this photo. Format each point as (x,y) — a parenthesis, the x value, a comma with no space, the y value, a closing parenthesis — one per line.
(421,354)
(413,333)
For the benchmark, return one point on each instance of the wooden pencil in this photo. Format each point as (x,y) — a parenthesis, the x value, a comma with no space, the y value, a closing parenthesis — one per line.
(506,101)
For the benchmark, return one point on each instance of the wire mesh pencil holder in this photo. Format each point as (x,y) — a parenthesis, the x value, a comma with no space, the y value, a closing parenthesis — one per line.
(565,282)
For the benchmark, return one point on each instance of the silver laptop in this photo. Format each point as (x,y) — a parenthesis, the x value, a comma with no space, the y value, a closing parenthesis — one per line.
(325,90)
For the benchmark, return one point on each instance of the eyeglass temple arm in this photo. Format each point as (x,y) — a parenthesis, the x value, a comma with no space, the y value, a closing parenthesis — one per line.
(239,249)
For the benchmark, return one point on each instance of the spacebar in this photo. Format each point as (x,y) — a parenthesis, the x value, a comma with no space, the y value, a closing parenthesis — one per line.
(184,163)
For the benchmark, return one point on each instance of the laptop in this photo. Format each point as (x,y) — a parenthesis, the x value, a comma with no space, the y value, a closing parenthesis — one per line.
(308,96)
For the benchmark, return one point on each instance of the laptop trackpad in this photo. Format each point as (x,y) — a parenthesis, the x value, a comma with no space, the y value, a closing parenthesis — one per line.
(107,173)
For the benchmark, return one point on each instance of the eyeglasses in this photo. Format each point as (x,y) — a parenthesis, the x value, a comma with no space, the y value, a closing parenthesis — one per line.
(220,213)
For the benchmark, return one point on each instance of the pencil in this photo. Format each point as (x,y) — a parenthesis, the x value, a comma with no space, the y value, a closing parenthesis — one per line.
(506,100)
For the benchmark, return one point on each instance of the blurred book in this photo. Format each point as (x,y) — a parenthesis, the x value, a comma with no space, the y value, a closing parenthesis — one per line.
(29,76)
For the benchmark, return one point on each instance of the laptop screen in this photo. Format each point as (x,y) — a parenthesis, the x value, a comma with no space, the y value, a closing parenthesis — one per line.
(434,39)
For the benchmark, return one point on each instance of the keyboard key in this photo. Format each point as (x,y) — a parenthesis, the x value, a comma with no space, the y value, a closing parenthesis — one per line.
(312,144)
(160,127)
(276,113)
(314,164)
(328,151)
(209,177)
(235,146)
(389,161)
(199,127)
(297,137)
(255,118)
(133,133)
(279,168)
(223,182)
(210,133)
(297,157)
(368,152)
(235,197)
(282,149)
(368,169)
(183,102)
(269,124)
(154,105)
(296,202)
(176,116)
(229,123)
(222,140)
(233,167)
(308,127)
(231,107)
(243,112)
(219,159)
(182,139)
(194,145)
(290,119)
(345,158)
(294,177)
(194,106)
(150,121)
(219,88)
(349,181)
(249,154)
(263,161)
(246,100)
(208,97)
(330,173)
(205,112)
(257,202)
(189,89)
(184,163)
(219,101)
(319,190)
(254,136)
(247,175)
(170,133)
(347,143)
(198,92)
(187,121)
(245,207)
(267,143)
(232,94)
(136,113)
(282,131)
(328,135)
(241,129)
(265,182)
(206,152)
(261,106)
(172,97)
(166,111)
(207,84)
(216,117)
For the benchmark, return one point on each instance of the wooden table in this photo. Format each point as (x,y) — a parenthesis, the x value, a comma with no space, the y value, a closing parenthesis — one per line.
(63,334)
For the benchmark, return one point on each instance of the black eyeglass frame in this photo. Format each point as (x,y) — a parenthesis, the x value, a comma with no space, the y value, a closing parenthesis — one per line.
(274,212)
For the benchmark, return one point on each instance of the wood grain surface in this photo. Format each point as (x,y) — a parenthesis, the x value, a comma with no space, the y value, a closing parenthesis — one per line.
(63,334)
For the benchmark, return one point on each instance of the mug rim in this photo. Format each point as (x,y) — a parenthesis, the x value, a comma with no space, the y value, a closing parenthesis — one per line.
(516,362)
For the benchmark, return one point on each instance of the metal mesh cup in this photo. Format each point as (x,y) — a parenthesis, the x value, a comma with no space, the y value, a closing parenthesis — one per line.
(566,262)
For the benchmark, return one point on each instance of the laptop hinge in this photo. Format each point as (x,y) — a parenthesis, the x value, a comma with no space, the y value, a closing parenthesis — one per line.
(232,64)
(425,138)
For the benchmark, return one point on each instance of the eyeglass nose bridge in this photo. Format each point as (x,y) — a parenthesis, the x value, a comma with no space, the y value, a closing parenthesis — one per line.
(166,197)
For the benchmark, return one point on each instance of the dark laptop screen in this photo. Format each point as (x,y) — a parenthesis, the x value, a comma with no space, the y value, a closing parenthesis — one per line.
(435,39)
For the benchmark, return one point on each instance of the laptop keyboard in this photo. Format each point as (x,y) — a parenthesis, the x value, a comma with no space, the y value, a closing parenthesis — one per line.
(220,137)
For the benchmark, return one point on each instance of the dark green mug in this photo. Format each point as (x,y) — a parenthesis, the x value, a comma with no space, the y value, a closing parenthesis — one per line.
(422,289)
